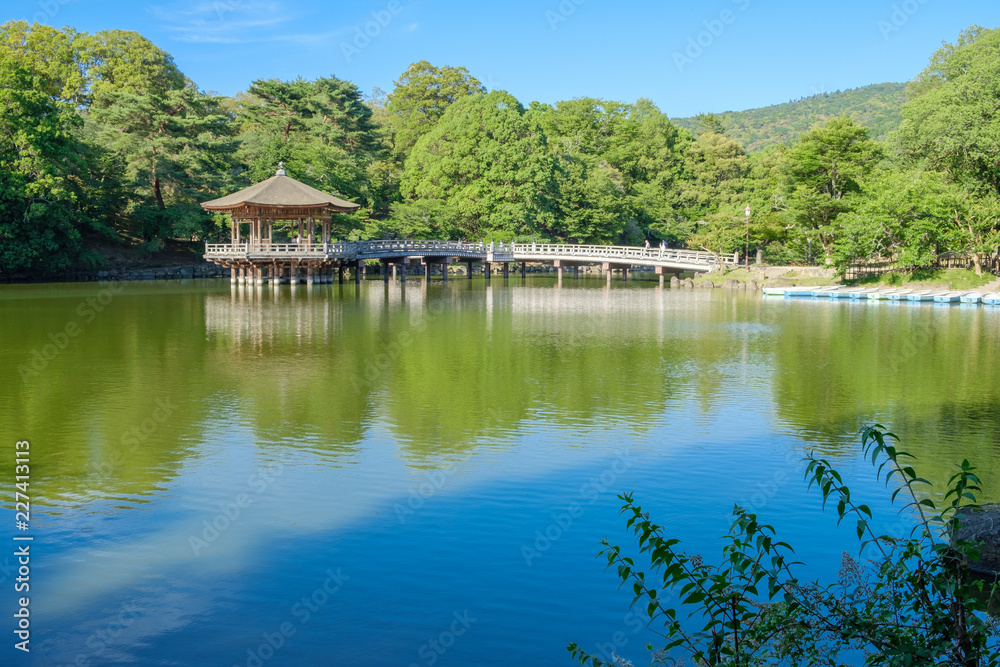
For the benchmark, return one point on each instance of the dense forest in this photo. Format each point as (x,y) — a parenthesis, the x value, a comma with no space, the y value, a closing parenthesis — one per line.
(878,107)
(104,142)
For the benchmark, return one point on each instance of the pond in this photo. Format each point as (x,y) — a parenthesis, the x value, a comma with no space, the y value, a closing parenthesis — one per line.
(421,474)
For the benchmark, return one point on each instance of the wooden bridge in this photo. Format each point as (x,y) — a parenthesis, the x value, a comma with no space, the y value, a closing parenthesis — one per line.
(316,262)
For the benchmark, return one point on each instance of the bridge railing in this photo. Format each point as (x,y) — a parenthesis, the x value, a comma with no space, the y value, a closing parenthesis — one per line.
(631,253)
(493,251)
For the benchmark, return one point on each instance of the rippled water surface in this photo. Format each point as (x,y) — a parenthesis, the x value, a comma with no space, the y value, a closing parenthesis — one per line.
(418,475)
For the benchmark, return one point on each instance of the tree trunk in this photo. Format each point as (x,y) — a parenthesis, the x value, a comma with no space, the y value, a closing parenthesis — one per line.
(977,262)
(156,191)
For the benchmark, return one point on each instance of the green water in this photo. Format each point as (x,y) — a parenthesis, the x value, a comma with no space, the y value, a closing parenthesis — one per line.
(147,403)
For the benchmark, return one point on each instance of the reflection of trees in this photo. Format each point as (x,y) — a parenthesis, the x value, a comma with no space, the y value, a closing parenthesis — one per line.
(929,373)
(112,414)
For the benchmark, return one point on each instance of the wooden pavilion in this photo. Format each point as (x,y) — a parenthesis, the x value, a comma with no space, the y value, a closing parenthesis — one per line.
(279,199)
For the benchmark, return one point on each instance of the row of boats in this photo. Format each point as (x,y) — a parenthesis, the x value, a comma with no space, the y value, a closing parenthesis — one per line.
(893,294)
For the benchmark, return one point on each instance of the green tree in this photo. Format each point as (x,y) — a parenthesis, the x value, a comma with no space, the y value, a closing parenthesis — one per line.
(822,173)
(908,215)
(57,57)
(488,162)
(40,166)
(175,146)
(952,122)
(321,129)
(422,94)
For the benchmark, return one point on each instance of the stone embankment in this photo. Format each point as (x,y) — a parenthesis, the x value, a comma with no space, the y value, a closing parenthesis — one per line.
(205,270)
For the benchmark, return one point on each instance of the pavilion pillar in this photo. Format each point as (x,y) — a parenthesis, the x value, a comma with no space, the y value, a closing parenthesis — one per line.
(293,278)
(234,275)
(260,275)
(310,273)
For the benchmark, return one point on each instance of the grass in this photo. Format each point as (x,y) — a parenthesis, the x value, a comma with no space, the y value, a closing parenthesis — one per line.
(789,278)
(955,279)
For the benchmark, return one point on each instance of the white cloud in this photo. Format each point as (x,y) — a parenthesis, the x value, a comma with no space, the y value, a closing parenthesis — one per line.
(232,22)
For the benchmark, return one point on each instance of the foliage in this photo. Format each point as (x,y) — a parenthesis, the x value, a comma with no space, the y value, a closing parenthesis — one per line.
(321,129)
(488,163)
(422,94)
(40,167)
(877,107)
(952,123)
(914,602)
(822,175)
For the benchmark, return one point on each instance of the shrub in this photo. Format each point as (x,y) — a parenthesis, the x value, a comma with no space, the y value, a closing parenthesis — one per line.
(913,601)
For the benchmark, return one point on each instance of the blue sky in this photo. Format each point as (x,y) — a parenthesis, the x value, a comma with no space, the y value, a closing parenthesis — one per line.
(687,57)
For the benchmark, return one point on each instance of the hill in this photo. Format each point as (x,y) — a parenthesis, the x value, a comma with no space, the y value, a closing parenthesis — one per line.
(877,107)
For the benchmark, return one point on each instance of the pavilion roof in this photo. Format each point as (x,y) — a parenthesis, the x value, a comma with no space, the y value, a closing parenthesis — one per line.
(277,193)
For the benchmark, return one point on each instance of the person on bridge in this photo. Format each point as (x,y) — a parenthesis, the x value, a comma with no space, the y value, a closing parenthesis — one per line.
(647,244)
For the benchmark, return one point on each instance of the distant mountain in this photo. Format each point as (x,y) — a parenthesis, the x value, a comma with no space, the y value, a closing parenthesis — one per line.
(877,107)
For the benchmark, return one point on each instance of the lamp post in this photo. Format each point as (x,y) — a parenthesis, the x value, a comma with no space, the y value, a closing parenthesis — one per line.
(746,255)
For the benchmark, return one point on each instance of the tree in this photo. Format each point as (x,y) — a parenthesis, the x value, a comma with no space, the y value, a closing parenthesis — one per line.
(489,164)
(175,146)
(952,122)
(908,215)
(321,129)
(821,176)
(39,171)
(422,94)
(56,57)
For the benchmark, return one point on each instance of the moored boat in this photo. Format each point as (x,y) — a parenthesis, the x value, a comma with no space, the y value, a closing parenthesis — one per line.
(993,298)
(900,295)
(972,297)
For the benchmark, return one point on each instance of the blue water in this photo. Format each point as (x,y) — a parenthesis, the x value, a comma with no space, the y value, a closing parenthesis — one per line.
(447,508)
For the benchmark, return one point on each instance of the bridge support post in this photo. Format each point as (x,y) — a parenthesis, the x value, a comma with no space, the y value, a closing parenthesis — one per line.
(394,272)
(468,266)
(385,271)
(340,274)
(487,270)
(659,272)
(234,275)
(359,267)
(427,271)
(310,275)
(625,273)
(559,270)
(524,269)
(576,272)
(444,269)
(506,270)
(260,275)
(606,267)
